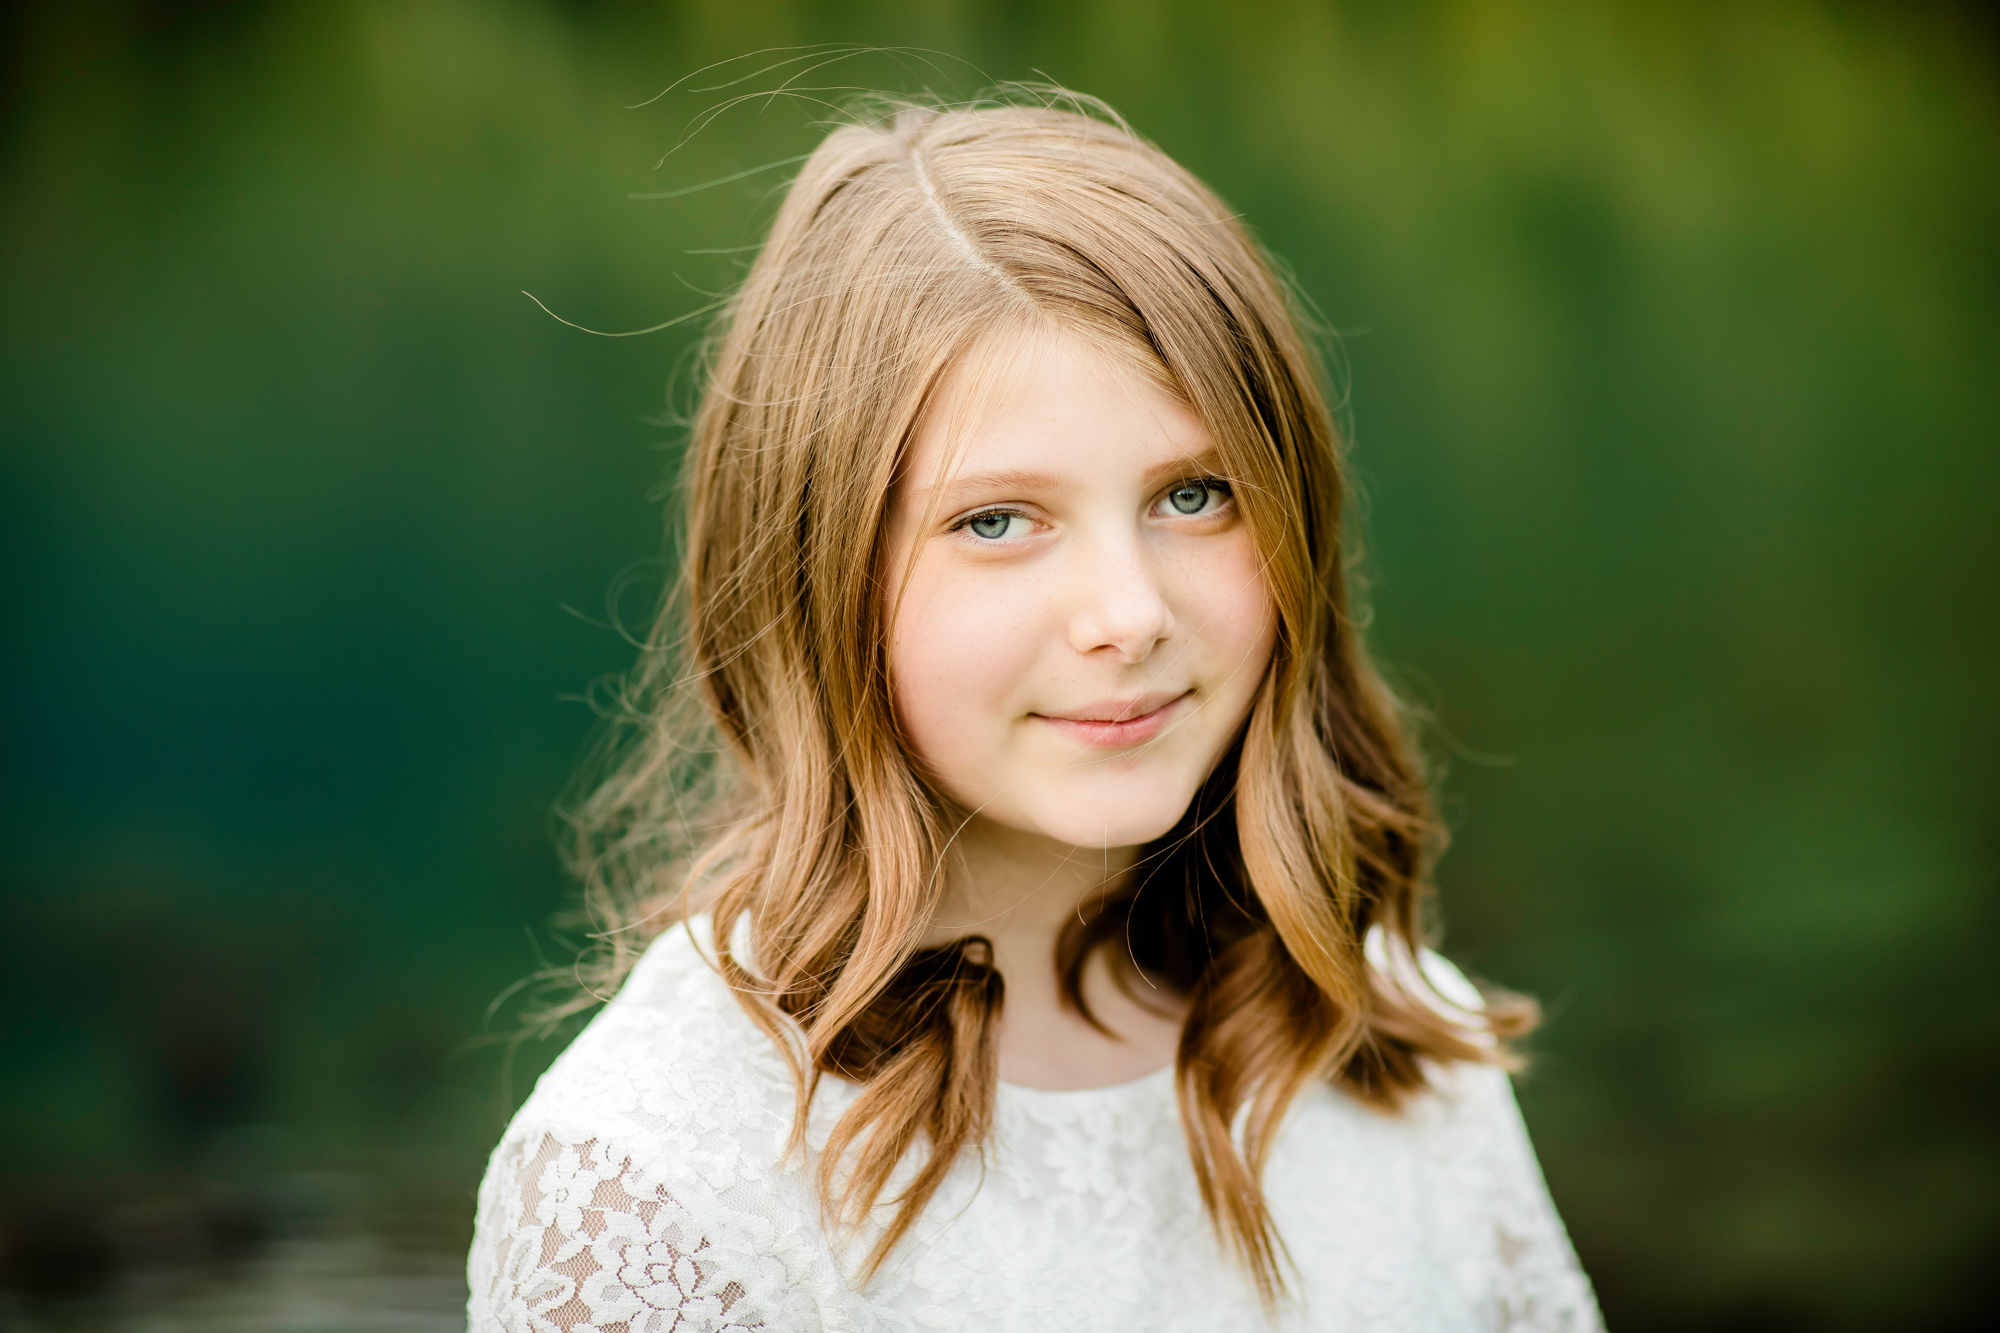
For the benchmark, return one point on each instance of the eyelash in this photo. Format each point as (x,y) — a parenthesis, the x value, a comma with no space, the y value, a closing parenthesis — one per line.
(966,523)
(1213,483)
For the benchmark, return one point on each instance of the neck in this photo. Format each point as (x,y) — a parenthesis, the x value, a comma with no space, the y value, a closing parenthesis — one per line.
(1019,890)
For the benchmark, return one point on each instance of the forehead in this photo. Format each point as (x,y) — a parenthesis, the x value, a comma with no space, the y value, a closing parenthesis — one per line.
(1050,401)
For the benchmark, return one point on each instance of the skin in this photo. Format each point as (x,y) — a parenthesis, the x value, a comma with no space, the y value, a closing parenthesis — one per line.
(1071,653)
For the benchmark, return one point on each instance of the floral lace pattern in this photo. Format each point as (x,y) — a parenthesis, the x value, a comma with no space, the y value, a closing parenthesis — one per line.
(641,1189)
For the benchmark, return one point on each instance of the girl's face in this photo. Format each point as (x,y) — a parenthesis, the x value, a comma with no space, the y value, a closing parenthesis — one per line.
(1084,622)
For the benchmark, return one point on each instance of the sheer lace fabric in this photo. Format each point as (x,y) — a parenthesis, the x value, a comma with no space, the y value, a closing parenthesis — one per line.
(641,1190)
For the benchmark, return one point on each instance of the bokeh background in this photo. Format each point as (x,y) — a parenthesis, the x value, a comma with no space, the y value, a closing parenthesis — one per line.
(1670,336)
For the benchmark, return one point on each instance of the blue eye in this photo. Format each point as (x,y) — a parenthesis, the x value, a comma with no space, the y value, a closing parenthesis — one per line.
(991,526)
(1193,497)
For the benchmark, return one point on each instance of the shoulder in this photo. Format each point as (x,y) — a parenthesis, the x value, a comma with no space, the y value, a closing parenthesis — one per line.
(671,1048)
(1442,1202)
(1420,970)
(671,1075)
(1450,984)
(1469,1100)
(650,1155)
(1429,978)
(1490,1182)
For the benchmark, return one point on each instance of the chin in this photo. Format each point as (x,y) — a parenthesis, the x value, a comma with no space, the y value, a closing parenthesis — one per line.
(1110,819)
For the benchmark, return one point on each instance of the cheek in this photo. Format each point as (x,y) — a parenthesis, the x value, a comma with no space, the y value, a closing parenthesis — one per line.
(1230,606)
(959,652)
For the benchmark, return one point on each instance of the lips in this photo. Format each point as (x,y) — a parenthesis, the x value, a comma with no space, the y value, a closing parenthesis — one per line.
(1117,724)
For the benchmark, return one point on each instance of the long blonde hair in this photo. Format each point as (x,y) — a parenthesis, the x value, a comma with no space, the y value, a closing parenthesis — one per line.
(763,779)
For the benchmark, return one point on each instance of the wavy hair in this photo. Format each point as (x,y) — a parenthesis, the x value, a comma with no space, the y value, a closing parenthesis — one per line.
(761,776)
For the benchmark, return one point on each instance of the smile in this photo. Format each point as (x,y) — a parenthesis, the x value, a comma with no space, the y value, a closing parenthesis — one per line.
(1118,724)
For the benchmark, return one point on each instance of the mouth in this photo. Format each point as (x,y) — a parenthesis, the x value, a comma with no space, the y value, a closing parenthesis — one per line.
(1118,724)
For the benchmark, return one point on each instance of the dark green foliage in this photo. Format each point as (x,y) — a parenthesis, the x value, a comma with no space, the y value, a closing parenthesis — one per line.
(1671,337)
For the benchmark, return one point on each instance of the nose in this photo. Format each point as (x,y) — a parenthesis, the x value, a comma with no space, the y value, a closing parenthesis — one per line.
(1121,607)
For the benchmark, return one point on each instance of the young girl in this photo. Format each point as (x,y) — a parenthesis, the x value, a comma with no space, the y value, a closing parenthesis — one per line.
(1032,861)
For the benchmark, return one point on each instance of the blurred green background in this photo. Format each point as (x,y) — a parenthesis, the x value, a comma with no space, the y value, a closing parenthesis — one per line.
(1671,337)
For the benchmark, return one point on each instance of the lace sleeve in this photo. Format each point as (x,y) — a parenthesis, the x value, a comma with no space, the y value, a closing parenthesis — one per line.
(572,1239)
(1525,1264)
(1535,1280)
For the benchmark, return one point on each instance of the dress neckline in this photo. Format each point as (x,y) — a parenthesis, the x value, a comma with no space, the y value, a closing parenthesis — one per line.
(1145,1084)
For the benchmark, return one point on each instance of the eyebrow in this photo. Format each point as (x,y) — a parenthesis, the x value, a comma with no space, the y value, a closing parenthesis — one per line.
(1017,480)
(1004,480)
(1208,461)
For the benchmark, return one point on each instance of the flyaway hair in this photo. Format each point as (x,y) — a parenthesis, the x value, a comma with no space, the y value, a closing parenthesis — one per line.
(760,775)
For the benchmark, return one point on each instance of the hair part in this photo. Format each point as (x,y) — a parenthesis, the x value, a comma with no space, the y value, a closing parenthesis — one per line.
(763,777)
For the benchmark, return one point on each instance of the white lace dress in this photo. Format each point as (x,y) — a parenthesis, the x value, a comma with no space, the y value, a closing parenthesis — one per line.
(640,1190)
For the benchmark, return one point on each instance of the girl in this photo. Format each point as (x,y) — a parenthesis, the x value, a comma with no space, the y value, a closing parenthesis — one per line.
(1045,951)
